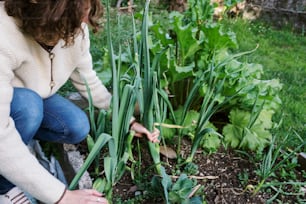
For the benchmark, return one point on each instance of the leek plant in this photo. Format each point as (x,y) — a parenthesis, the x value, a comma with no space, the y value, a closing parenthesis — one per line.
(123,103)
(210,84)
(271,162)
(95,140)
(97,127)
(119,139)
(101,141)
(141,87)
(149,89)
(152,99)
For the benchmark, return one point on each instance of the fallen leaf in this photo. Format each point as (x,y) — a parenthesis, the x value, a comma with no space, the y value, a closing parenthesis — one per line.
(168,152)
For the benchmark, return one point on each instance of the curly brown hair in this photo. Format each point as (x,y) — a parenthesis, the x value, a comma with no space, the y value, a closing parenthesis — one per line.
(47,21)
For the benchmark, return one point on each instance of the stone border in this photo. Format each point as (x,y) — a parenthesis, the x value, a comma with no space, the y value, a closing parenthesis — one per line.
(76,160)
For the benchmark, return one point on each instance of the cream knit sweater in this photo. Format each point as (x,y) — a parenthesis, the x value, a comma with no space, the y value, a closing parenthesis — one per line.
(24,63)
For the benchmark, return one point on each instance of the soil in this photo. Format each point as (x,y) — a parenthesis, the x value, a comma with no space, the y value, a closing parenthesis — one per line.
(225,177)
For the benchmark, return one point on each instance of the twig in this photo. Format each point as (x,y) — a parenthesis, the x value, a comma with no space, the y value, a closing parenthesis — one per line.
(199,177)
(194,190)
(126,7)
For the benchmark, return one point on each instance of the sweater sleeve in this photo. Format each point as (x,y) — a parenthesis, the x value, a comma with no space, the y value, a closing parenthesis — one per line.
(18,165)
(84,72)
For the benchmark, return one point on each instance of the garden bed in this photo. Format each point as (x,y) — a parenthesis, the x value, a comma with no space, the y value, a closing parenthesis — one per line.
(225,177)
(222,82)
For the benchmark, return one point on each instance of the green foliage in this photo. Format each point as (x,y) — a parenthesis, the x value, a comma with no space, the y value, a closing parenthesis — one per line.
(194,61)
(181,189)
(281,53)
(101,141)
(96,140)
(187,42)
(200,11)
(119,143)
(123,103)
(211,143)
(243,178)
(246,77)
(147,95)
(168,133)
(275,159)
(237,134)
(191,169)
(189,122)
(203,75)
(179,192)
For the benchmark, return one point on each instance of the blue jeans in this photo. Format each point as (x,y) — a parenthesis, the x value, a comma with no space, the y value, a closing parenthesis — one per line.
(54,119)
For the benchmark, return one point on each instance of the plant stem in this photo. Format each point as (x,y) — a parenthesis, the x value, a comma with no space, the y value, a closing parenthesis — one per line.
(259,187)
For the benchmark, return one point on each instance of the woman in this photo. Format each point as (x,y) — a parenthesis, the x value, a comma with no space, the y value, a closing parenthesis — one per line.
(43,44)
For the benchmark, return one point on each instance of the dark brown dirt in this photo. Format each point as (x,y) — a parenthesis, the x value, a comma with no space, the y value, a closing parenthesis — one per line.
(218,173)
(226,177)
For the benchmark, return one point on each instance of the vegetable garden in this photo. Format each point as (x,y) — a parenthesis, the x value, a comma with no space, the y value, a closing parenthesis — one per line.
(218,116)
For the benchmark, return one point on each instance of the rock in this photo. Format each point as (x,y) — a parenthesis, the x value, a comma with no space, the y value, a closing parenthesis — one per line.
(69,147)
(76,160)
(302,161)
(137,193)
(77,99)
(72,160)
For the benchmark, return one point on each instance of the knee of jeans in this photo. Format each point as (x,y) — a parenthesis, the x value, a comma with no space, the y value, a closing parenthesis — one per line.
(33,110)
(28,107)
(80,131)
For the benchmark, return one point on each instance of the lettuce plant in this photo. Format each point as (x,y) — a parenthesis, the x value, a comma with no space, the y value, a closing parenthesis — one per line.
(238,134)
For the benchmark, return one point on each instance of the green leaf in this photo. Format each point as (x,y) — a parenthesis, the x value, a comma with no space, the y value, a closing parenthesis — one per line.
(197,140)
(250,140)
(181,189)
(121,166)
(237,134)
(188,45)
(110,165)
(239,118)
(168,133)
(181,72)
(190,121)
(217,39)
(232,135)
(90,142)
(101,141)
(265,119)
(183,185)
(211,143)
(160,34)
(166,182)
(99,184)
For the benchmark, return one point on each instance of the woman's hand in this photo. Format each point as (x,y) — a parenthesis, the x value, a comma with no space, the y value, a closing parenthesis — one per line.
(85,196)
(140,130)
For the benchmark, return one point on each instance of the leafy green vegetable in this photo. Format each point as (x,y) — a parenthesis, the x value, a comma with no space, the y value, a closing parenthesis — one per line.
(190,122)
(168,133)
(238,135)
(191,169)
(180,191)
(211,143)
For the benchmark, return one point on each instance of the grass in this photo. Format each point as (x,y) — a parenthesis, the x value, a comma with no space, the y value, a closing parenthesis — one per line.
(282,54)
